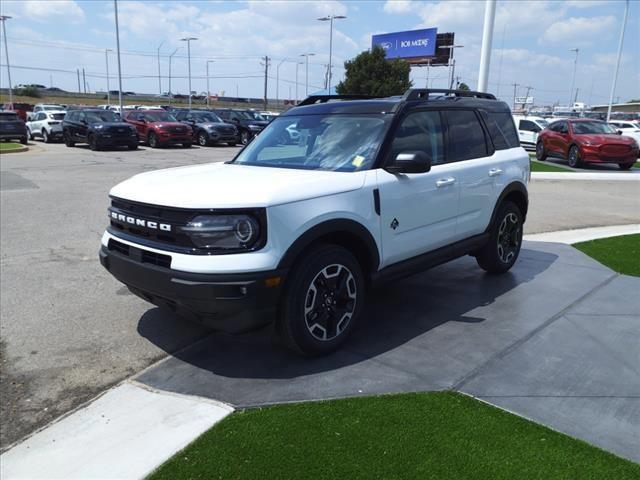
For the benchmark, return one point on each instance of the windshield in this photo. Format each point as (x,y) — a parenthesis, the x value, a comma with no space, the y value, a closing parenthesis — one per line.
(343,143)
(205,117)
(52,107)
(158,117)
(57,116)
(254,116)
(8,117)
(101,116)
(542,123)
(584,128)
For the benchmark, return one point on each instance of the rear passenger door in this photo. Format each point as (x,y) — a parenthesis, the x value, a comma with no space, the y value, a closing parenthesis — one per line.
(471,151)
(417,211)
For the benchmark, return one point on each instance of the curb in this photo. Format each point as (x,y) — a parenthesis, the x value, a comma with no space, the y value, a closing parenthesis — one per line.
(570,237)
(621,176)
(24,148)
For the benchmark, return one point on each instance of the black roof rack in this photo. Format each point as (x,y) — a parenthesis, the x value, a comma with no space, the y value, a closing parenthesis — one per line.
(424,93)
(313,99)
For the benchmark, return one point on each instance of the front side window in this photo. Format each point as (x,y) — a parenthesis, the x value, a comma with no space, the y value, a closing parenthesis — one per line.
(41,116)
(420,131)
(466,137)
(586,128)
(345,142)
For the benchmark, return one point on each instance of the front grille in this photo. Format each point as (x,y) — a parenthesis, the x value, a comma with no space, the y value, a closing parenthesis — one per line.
(615,150)
(227,130)
(119,131)
(139,255)
(177,130)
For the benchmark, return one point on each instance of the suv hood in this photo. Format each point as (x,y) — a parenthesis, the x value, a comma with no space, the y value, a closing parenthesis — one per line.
(212,124)
(111,124)
(599,139)
(167,124)
(258,123)
(222,185)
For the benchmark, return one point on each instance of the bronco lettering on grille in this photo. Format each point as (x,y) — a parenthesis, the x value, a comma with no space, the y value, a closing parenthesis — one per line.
(140,222)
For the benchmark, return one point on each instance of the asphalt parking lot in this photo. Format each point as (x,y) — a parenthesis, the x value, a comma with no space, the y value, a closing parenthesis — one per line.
(69,330)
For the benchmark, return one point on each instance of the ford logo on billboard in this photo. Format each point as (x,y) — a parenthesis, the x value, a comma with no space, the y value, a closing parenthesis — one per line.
(409,44)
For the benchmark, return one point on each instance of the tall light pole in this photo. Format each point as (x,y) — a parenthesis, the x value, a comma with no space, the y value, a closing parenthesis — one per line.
(487,37)
(159,78)
(306,72)
(170,57)
(115,5)
(278,80)
(208,94)
(573,78)
(106,61)
(450,75)
(3,19)
(330,19)
(615,75)
(297,64)
(188,40)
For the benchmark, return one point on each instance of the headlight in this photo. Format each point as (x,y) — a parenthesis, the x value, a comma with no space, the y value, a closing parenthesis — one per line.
(224,232)
(98,127)
(255,127)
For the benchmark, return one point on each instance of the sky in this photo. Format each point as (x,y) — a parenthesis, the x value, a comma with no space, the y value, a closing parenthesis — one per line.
(49,40)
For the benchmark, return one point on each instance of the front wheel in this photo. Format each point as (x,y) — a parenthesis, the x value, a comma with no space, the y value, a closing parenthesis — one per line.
(244,137)
(93,143)
(574,157)
(505,239)
(45,136)
(153,140)
(203,139)
(133,146)
(322,301)
(626,166)
(29,134)
(67,140)
(24,141)
(541,154)
(186,145)
(231,144)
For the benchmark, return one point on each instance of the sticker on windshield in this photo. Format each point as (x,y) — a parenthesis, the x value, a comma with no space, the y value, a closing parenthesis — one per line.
(357,160)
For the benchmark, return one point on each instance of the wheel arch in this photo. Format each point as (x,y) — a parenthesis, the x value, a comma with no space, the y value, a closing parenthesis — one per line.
(346,233)
(515,192)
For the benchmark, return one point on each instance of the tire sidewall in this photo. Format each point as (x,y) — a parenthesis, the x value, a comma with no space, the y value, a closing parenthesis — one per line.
(203,140)
(153,140)
(577,161)
(505,209)
(540,151)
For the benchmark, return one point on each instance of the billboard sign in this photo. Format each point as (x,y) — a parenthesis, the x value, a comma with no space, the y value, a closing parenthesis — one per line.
(409,44)
(524,100)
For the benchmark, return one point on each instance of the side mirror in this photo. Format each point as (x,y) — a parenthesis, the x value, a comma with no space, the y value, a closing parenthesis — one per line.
(619,132)
(410,162)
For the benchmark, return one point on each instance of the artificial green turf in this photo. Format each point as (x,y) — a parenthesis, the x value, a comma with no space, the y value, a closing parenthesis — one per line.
(621,254)
(548,167)
(439,435)
(637,165)
(8,146)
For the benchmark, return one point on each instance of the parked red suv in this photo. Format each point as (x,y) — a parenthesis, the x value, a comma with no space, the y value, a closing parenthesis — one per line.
(586,141)
(159,128)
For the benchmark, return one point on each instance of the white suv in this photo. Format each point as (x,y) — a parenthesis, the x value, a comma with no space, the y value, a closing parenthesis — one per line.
(372,190)
(46,125)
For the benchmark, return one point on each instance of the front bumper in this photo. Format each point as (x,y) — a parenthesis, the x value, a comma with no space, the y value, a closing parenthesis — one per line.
(230,302)
(175,138)
(105,141)
(593,155)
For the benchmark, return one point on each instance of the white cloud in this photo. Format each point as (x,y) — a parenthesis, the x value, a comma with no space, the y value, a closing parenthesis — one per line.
(578,30)
(47,10)
(398,6)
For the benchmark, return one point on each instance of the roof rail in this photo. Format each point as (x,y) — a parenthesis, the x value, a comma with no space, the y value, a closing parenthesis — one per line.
(424,93)
(313,99)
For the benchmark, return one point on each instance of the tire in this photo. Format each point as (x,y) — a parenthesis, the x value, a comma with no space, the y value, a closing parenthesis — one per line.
(29,134)
(503,247)
(187,145)
(24,140)
(203,138)
(231,144)
(326,284)
(67,140)
(245,137)
(152,140)
(45,136)
(93,143)
(626,166)
(541,153)
(133,146)
(574,157)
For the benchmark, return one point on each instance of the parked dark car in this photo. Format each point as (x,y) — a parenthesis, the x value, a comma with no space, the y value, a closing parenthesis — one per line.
(208,128)
(245,121)
(159,128)
(99,128)
(12,127)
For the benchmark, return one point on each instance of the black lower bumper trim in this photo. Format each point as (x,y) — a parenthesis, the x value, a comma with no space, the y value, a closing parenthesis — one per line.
(231,303)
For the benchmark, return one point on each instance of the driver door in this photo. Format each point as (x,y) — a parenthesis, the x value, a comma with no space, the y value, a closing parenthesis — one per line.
(418,212)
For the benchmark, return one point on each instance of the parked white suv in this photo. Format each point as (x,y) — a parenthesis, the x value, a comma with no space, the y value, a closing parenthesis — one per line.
(628,128)
(528,128)
(372,190)
(43,107)
(46,125)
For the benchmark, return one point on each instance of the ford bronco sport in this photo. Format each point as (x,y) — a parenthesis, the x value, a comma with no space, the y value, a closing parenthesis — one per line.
(372,189)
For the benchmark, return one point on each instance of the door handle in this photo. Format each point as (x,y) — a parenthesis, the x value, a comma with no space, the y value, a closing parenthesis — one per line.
(443,182)
(495,172)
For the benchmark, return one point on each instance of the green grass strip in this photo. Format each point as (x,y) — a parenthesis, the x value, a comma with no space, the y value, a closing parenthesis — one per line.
(8,146)
(439,435)
(621,254)
(548,167)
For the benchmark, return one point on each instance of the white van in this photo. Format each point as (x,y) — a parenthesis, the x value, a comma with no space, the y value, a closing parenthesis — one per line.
(528,129)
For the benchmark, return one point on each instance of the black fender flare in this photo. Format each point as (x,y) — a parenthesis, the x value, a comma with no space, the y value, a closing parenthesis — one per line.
(520,189)
(336,228)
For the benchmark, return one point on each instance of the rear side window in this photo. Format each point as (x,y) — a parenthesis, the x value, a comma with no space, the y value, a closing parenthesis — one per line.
(420,131)
(466,136)
(502,129)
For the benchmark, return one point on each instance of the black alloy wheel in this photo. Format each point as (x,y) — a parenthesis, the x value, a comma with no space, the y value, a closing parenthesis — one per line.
(203,139)
(541,155)
(574,157)
(153,140)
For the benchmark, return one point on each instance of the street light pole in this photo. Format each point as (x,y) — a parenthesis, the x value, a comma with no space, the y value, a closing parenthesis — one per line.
(208,94)
(330,19)
(297,63)
(170,57)
(573,78)
(159,78)
(188,40)
(3,19)
(115,5)
(306,72)
(106,60)
(487,37)
(615,75)
(278,81)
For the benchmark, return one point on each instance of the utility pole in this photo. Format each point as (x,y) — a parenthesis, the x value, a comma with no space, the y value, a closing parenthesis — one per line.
(306,72)
(188,40)
(527,94)
(615,74)
(515,86)
(106,60)
(208,94)
(3,19)
(115,5)
(84,81)
(576,97)
(78,72)
(573,78)
(170,57)
(487,37)
(266,72)
(159,77)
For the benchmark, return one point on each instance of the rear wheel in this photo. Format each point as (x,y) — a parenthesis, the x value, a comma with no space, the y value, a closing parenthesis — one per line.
(45,136)
(541,154)
(24,140)
(322,302)
(626,166)
(574,157)
(244,137)
(503,247)
(203,139)
(93,143)
(67,140)
(153,140)
(29,134)
(133,146)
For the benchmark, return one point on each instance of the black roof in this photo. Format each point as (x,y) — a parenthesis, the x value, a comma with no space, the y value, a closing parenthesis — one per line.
(325,104)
